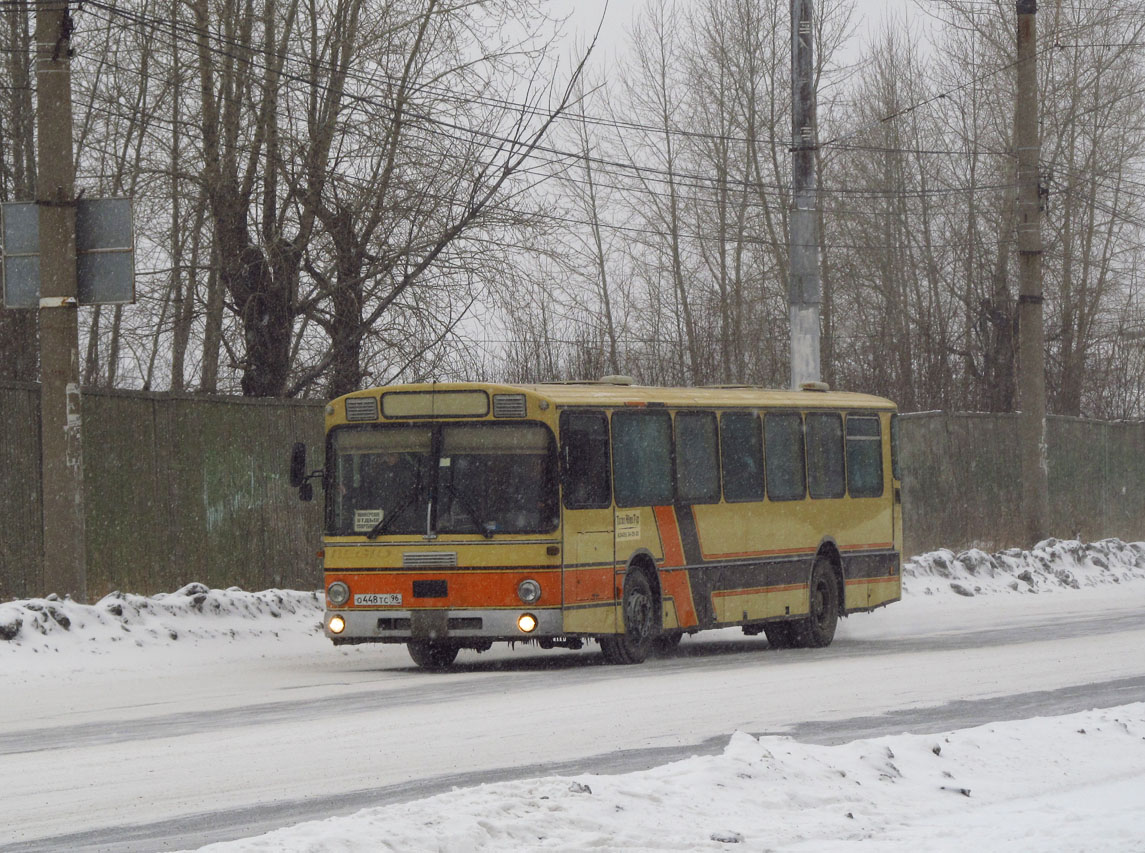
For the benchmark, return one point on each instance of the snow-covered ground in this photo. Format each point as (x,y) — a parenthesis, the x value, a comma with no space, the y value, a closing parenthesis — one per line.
(1070,783)
(1063,783)
(197,614)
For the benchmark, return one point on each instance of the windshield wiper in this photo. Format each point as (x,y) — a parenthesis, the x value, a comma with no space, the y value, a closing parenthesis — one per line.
(384,525)
(486,528)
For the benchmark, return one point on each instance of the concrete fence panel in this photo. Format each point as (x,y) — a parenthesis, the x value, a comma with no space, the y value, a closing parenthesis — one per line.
(176,489)
(185,488)
(961,481)
(1079,478)
(21,540)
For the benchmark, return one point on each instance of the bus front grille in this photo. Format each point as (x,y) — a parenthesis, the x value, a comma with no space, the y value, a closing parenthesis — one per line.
(393,624)
(463,623)
(453,623)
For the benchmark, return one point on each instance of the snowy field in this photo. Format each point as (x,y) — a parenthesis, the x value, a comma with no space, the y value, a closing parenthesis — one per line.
(1066,783)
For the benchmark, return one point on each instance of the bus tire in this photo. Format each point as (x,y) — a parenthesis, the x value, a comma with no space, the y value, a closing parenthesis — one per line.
(640,628)
(817,630)
(667,643)
(432,655)
(780,635)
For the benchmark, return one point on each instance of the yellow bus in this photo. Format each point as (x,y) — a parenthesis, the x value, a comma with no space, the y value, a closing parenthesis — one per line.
(459,515)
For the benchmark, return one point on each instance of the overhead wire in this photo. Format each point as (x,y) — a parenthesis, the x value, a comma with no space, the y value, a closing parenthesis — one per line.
(678,179)
(164,24)
(557,156)
(498,140)
(675,177)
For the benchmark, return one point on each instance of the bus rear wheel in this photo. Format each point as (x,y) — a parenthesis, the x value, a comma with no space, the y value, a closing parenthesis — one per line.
(780,635)
(640,623)
(432,655)
(818,629)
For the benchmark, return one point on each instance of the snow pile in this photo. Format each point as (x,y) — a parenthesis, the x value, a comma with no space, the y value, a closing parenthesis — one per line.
(197,612)
(194,612)
(1052,564)
(996,787)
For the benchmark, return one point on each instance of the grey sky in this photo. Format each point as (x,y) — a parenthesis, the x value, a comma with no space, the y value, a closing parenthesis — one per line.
(586,14)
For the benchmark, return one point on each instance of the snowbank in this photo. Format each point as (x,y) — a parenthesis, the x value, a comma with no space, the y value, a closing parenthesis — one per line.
(1061,783)
(192,613)
(1054,564)
(196,612)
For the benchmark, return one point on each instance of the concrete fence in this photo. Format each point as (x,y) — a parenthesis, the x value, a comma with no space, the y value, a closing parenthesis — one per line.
(962,480)
(188,488)
(177,489)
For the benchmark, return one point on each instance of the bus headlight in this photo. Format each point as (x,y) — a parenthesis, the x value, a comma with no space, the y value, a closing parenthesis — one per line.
(527,622)
(338,593)
(528,591)
(336,624)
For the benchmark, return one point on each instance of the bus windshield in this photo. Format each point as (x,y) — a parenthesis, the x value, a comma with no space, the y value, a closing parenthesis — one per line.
(485,478)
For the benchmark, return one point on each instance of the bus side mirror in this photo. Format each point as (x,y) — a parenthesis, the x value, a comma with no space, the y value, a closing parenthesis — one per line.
(306,492)
(298,468)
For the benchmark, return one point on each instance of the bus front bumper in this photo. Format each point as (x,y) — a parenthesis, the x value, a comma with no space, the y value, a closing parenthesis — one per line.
(401,626)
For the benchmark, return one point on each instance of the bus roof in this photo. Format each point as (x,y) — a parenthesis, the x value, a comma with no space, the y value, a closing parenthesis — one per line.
(606,393)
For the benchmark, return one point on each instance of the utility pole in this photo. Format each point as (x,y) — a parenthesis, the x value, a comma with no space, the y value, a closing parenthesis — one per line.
(1031,331)
(65,570)
(803,289)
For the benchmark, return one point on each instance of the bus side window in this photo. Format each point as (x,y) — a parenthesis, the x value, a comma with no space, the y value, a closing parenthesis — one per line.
(642,458)
(741,451)
(584,460)
(825,472)
(864,456)
(783,456)
(697,458)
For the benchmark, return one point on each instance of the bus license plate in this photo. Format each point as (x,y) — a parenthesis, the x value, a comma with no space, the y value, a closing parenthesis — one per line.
(373,599)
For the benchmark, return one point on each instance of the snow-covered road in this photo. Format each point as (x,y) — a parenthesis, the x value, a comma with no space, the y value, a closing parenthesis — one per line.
(155,744)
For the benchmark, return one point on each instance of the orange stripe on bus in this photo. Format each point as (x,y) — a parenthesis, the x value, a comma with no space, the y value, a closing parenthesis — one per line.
(677,585)
(884,579)
(724,593)
(669,535)
(778,551)
(674,582)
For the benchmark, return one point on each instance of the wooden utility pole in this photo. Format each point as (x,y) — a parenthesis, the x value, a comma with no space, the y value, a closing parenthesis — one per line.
(65,571)
(1031,332)
(803,290)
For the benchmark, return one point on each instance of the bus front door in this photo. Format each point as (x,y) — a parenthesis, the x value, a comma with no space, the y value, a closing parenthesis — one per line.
(588,571)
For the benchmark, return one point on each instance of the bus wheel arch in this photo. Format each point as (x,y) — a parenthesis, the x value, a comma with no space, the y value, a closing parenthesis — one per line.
(828,550)
(643,562)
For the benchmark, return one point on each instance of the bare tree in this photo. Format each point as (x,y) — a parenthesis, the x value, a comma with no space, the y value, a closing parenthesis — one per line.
(371,151)
(1095,97)
(928,217)
(651,91)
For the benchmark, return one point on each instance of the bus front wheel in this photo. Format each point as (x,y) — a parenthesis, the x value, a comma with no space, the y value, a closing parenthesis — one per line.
(667,644)
(431,655)
(640,623)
